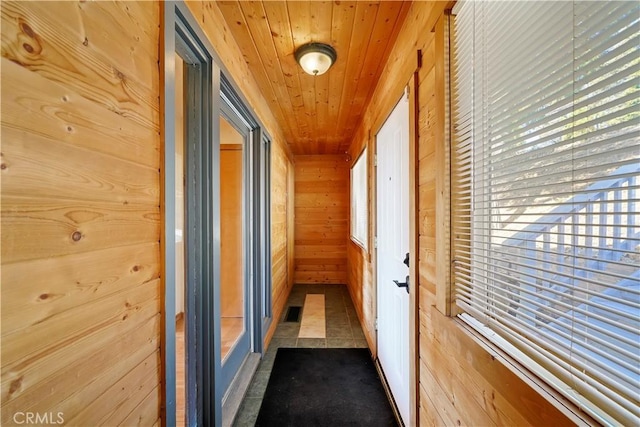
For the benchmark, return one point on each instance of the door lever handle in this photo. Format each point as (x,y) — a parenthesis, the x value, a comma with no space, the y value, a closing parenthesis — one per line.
(403,285)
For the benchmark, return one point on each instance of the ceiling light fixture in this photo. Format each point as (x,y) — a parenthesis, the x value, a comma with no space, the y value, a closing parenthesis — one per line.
(315,58)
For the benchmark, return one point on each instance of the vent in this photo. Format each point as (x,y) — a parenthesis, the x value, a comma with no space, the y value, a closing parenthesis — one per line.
(293,314)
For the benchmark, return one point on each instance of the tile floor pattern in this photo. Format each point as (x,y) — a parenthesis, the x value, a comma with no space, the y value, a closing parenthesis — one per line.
(343,330)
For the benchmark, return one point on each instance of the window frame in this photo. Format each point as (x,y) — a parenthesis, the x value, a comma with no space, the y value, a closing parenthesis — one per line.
(523,365)
(361,161)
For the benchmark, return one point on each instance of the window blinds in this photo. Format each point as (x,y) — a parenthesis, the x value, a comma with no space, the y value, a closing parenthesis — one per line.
(545,178)
(359,201)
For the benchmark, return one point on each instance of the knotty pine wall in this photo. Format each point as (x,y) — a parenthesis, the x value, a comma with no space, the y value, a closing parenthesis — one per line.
(210,19)
(321,218)
(459,382)
(81,287)
(281,233)
(81,222)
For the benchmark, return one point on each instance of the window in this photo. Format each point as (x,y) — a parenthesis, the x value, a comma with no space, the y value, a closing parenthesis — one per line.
(545,177)
(360,201)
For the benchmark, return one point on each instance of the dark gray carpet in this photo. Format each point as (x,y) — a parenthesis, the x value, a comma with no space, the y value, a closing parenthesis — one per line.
(324,387)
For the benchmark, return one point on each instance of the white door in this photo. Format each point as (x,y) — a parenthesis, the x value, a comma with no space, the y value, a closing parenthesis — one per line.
(393,245)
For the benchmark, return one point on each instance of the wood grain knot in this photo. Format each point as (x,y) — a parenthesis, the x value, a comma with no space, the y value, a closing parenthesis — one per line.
(28,39)
(119,74)
(15,385)
(136,268)
(76,236)
(44,296)
(3,166)
(25,28)
(85,42)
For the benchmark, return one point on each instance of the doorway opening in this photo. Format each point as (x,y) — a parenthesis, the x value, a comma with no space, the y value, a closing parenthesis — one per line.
(245,250)
(217,253)
(232,237)
(180,277)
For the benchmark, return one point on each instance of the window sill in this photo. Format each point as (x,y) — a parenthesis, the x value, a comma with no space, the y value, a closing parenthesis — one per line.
(548,393)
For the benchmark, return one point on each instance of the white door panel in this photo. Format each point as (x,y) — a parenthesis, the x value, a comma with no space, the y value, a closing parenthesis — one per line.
(392,177)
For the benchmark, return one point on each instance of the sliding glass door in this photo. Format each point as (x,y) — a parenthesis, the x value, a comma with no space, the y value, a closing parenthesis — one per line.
(235,240)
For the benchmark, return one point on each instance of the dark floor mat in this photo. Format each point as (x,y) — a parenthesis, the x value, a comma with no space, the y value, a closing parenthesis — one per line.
(324,387)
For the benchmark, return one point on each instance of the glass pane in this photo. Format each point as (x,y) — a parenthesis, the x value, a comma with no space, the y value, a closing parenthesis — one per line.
(232,296)
(180,250)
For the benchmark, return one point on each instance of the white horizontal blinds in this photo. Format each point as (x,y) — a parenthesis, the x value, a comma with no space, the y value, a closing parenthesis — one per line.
(546,172)
(461,81)
(359,201)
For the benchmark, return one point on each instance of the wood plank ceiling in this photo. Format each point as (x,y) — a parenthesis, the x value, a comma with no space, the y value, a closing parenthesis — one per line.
(318,114)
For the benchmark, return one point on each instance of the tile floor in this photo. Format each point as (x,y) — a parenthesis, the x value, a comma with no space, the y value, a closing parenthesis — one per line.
(343,330)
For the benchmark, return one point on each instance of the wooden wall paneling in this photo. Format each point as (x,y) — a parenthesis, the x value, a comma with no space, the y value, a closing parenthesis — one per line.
(290,200)
(35,290)
(280,235)
(123,393)
(321,218)
(80,208)
(73,324)
(460,382)
(480,375)
(37,384)
(64,115)
(42,228)
(140,414)
(107,29)
(41,44)
(50,168)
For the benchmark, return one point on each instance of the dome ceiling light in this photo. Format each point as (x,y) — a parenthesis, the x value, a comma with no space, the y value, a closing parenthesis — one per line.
(315,58)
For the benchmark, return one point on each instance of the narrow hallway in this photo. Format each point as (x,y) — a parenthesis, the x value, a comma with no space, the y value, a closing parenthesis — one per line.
(343,330)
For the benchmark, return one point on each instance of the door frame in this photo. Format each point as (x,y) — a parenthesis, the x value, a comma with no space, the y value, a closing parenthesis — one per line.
(202,259)
(410,90)
(257,199)
(180,31)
